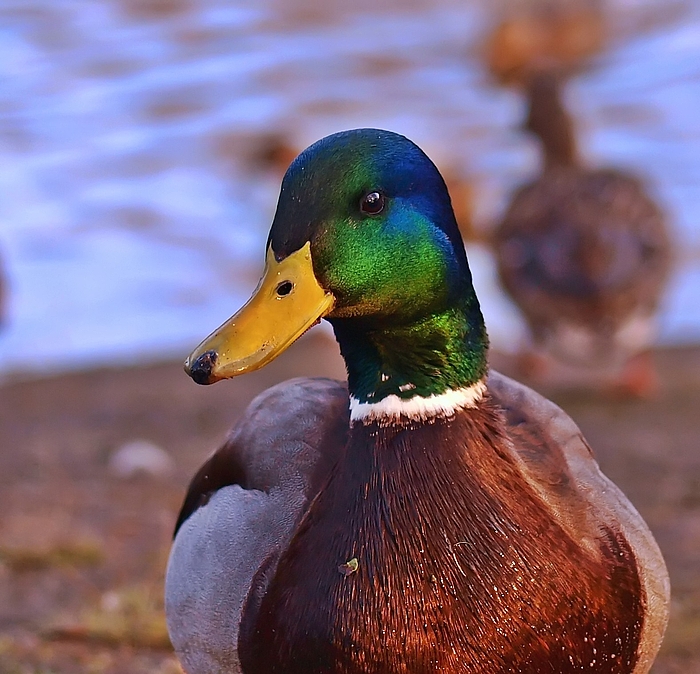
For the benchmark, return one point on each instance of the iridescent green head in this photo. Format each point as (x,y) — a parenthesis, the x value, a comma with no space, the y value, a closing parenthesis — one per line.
(372,215)
(383,236)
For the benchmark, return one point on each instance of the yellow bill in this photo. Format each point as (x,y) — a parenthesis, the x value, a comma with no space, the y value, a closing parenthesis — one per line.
(286,303)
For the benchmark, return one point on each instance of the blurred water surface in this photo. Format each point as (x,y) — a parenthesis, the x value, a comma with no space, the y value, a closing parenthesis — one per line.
(133,212)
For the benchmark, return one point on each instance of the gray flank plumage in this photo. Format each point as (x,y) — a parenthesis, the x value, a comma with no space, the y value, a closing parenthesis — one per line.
(285,444)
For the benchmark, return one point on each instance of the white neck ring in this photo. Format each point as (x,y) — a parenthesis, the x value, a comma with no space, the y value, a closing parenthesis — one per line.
(393,409)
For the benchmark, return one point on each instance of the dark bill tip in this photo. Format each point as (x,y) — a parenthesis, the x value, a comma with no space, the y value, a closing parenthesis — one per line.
(201,369)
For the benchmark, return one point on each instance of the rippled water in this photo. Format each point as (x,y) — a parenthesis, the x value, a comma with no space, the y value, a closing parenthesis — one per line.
(133,213)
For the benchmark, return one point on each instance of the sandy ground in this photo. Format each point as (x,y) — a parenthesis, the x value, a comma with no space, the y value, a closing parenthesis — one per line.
(83,550)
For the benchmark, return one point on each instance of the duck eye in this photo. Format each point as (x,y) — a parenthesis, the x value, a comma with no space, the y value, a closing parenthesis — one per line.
(372,203)
(284,288)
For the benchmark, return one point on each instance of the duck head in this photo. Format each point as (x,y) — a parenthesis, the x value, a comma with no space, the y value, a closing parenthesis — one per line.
(365,237)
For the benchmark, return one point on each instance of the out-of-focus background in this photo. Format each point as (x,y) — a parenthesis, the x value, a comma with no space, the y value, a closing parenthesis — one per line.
(141,147)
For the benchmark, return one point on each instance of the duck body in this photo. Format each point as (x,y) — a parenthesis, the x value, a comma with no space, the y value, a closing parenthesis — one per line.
(453,574)
(588,278)
(427,517)
(584,253)
(509,556)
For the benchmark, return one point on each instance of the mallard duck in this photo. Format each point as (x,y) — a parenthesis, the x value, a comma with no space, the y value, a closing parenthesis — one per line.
(429,516)
(584,253)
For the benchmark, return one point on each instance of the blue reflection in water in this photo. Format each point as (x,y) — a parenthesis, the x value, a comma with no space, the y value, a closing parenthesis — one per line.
(133,217)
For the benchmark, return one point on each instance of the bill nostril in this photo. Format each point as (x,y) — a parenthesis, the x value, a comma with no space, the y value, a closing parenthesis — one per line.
(201,369)
(284,288)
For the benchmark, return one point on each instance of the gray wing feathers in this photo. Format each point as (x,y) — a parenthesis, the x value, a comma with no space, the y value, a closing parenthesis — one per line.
(287,441)
(212,563)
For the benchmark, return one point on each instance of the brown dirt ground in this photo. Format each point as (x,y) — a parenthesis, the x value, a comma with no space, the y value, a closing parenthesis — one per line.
(82,552)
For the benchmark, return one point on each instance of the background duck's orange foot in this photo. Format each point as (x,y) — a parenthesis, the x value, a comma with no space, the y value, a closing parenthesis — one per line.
(638,378)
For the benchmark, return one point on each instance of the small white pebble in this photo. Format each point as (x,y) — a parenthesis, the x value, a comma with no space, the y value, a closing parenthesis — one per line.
(110,601)
(140,457)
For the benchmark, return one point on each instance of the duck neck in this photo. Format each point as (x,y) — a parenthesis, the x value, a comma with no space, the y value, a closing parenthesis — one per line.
(549,120)
(402,363)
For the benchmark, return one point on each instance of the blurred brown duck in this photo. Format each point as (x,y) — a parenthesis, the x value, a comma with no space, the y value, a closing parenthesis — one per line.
(543,34)
(585,254)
